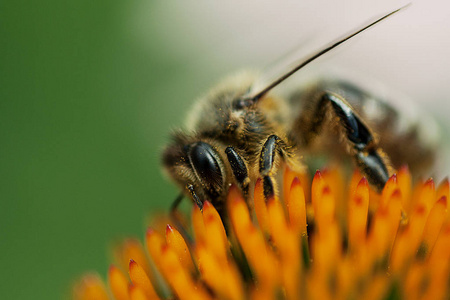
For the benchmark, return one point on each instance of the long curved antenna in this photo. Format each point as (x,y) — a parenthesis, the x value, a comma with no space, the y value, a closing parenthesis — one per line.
(254,96)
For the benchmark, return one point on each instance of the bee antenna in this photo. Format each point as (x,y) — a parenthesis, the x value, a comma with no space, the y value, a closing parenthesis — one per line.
(254,96)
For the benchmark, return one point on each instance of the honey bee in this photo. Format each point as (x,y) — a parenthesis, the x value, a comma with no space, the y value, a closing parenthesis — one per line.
(241,132)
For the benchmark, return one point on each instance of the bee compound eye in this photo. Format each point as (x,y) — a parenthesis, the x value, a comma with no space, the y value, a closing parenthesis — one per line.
(204,161)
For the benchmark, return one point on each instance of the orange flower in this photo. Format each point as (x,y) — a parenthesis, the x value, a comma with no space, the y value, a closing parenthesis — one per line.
(328,241)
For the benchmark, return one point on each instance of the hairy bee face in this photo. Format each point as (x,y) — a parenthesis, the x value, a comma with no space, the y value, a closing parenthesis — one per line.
(196,165)
(224,136)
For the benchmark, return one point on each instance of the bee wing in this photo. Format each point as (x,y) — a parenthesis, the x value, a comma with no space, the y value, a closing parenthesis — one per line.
(278,74)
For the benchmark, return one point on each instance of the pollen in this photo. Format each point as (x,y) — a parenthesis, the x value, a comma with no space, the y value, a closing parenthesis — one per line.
(322,238)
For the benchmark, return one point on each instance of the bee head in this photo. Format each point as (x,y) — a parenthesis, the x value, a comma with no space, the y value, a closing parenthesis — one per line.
(196,166)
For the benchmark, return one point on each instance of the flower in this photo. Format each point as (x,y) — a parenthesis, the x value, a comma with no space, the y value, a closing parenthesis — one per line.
(327,240)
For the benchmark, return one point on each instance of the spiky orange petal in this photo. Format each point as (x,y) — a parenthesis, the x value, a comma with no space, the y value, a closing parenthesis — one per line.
(137,293)
(140,278)
(260,205)
(90,287)
(357,214)
(404,181)
(296,206)
(118,283)
(175,240)
(197,224)
(132,249)
(215,238)
(435,220)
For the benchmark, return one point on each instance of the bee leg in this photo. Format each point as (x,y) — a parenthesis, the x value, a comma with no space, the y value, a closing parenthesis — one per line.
(362,146)
(239,168)
(175,217)
(273,146)
(269,187)
(196,199)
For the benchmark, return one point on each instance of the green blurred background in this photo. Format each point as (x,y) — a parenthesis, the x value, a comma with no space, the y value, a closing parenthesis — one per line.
(89,91)
(84,113)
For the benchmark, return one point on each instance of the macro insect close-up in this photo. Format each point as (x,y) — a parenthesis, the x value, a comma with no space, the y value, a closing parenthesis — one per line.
(241,131)
(225,150)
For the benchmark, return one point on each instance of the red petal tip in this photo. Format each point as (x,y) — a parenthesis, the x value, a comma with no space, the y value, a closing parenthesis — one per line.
(318,174)
(363,181)
(150,231)
(112,268)
(396,193)
(164,248)
(206,204)
(443,200)
(420,209)
(326,190)
(393,178)
(404,169)
(429,182)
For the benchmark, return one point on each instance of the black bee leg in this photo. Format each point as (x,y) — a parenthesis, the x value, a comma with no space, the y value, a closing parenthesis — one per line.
(175,204)
(273,147)
(239,169)
(175,217)
(196,199)
(269,187)
(362,146)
